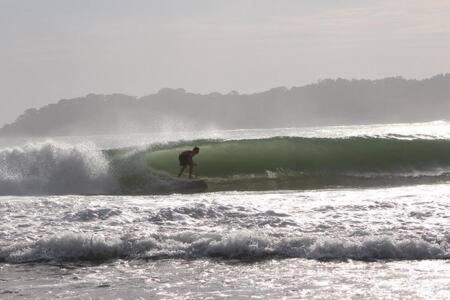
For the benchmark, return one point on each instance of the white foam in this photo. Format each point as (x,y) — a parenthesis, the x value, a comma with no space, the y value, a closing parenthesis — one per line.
(237,245)
(54,168)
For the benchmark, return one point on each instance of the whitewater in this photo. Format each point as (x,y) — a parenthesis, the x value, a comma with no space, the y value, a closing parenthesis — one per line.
(343,212)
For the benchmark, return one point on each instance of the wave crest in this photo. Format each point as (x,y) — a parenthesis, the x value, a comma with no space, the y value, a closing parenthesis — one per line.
(238,245)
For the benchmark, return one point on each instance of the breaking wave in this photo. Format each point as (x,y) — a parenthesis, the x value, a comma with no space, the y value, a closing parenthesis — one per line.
(58,169)
(260,164)
(51,168)
(245,245)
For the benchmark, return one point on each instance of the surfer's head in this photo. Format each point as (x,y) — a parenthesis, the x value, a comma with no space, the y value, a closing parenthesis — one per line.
(196,150)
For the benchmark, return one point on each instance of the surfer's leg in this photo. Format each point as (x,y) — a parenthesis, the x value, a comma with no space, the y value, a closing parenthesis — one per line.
(191,167)
(181,171)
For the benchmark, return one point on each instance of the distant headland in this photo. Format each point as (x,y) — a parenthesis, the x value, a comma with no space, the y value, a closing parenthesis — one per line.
(327,102)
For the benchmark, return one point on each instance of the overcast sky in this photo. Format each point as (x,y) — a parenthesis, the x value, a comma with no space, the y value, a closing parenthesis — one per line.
(54,49)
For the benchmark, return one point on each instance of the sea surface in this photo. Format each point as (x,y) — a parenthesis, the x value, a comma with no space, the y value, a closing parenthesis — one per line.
(347,212)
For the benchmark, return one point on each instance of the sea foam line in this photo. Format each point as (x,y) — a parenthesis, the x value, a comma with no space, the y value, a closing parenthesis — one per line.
(237,245)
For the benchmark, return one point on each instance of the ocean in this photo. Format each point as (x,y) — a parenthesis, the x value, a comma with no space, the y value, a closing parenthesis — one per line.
(342,212)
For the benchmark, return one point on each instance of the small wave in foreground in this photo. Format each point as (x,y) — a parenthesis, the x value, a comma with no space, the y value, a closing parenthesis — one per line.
(238,245)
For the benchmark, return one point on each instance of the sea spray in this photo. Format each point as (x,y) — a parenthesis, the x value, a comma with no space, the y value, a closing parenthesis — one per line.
(54,168)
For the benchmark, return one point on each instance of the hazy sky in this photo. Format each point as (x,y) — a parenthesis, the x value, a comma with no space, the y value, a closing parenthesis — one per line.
(57,49)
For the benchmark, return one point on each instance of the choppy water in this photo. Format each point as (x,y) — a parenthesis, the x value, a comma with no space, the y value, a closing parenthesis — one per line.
(388,239)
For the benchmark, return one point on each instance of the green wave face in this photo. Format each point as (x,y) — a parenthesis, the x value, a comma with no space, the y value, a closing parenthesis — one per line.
(291,163)
(232,158)
(310,155)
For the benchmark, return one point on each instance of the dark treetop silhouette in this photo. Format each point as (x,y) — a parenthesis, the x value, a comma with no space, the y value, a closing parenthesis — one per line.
(328,102)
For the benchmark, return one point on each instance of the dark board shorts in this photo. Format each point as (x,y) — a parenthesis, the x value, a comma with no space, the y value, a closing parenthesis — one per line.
(184,160)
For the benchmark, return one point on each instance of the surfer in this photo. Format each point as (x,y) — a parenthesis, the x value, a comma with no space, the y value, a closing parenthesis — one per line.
(185,158)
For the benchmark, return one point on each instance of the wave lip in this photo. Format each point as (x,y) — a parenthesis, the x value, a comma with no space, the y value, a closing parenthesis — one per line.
(239,245)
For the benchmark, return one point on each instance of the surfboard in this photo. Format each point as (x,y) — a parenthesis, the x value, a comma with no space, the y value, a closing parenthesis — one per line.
(191,185)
